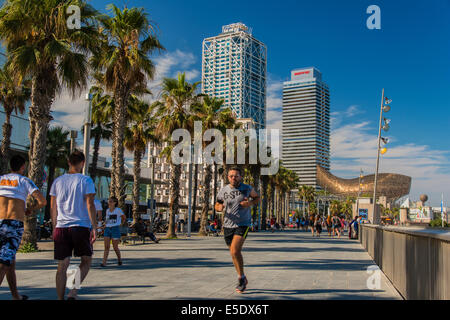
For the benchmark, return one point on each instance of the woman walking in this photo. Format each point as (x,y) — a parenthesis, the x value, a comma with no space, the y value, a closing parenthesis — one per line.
(336,225)
(318,225)
(113,219)
(329,226)
(311,223)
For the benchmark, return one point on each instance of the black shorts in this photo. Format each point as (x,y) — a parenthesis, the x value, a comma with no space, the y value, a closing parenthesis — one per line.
(230,232)
(72,239)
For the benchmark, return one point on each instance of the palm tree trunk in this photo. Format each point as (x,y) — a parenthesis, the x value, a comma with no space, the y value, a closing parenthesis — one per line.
(121,98)
(215,190)
(51,178)
(264,202)
(194,202)
(97,139)
(112,185)
(6,142)
(42,96)
(174,198)
(279,207)
(272,203)
(136,183)
(255,177)
(206,196)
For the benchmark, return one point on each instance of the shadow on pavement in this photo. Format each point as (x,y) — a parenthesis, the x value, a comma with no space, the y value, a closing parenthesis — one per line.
(317,264)
(50,293)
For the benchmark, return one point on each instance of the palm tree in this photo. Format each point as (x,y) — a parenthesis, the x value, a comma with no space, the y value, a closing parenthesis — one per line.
(58,148)
(347,208)
(307,194)
(102,109)
(174,111)
(335,207)
(13,96)
(210,112)
(41,47)
(137,136)
(291,183)
(126,68)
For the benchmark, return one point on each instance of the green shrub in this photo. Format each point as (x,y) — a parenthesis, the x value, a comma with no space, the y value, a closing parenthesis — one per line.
(27,248)
(437,223)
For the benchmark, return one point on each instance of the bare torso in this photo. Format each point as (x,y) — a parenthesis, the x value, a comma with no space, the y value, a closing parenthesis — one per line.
(12,209)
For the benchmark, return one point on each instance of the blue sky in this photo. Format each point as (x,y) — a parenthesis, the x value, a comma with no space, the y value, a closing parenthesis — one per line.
(409,57)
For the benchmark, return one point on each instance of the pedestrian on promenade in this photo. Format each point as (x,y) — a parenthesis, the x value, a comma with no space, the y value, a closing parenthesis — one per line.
(114,218)
(99,210)
(234,198)
(329,226)
(140,228)
(336,225)
(74,221)
(318,225)
(14,189)
(311,224)
(272,224)
(342,224)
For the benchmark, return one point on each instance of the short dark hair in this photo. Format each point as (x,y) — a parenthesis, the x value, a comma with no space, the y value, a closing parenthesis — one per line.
(235,169)
(115,201)
(16,162)
(76,157)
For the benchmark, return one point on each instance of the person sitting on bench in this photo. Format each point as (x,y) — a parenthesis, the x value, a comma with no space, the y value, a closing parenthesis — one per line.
(140,228)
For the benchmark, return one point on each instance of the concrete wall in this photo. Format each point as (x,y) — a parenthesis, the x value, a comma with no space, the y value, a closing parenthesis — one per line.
(416,261)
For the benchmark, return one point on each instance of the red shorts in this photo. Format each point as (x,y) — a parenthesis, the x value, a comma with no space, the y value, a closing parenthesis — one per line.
(72,239)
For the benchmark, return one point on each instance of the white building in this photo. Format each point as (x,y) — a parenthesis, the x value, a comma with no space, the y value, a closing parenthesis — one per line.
(234,68)
(306,124)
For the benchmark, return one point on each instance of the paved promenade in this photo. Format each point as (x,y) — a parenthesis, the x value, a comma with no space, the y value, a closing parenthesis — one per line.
(281,265)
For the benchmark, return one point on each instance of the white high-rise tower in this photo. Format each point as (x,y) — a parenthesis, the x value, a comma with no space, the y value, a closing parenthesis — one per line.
(234,68)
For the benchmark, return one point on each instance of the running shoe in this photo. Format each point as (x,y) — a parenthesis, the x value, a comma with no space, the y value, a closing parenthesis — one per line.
(240,288)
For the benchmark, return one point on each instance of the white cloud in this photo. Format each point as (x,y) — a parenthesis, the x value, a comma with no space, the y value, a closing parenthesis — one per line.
(170,64)
(70,113)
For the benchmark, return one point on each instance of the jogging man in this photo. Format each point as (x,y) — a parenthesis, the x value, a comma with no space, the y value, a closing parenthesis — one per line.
(234,197)
(14,189)
(74,221)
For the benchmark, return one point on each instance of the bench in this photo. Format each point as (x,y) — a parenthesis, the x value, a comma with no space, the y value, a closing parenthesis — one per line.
(132,237)
(210,233)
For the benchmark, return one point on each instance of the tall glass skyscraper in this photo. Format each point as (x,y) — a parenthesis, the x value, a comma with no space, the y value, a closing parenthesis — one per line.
(306,124)
(234,68)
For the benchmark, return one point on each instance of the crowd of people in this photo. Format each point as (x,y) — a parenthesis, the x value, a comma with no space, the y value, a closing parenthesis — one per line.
(335,225)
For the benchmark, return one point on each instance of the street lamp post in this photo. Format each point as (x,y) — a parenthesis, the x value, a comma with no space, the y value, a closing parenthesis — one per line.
(73,136)
(384,107)
(359,192)
(190,191)
(87,132)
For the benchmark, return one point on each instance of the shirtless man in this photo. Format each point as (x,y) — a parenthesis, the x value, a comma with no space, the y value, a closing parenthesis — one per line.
(14,189)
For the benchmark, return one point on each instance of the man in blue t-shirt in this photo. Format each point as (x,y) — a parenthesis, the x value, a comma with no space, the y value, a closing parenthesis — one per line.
(234,198)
